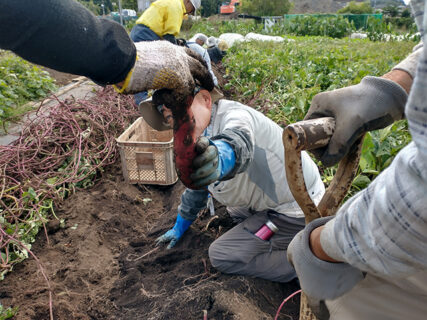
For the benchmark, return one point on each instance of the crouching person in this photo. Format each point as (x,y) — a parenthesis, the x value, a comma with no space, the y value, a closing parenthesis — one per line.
(240,163)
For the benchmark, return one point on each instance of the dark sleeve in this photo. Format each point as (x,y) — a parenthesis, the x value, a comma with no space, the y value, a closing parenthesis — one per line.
(192,201)
(216,54)
(170,37)
(65,36)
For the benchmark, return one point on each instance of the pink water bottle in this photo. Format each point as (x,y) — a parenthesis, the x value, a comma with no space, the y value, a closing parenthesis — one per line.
(267,230)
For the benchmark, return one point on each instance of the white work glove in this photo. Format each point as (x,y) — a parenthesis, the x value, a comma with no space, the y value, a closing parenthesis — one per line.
(162,65)
(372,104)
(320,280)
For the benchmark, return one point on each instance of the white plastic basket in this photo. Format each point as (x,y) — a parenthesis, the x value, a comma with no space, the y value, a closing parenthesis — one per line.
(147,154)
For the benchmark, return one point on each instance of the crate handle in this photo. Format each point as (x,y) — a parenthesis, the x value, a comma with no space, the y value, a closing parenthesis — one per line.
(131,134)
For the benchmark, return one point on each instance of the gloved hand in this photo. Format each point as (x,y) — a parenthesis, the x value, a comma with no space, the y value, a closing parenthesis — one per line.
(215,160)
(320,280)
(372,104)
(174,234)
(170,37)
(162,65)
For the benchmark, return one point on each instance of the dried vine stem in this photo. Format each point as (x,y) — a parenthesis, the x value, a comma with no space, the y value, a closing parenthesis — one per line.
(62,149)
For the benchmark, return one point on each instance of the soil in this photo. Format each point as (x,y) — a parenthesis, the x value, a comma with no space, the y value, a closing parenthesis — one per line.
(103,264)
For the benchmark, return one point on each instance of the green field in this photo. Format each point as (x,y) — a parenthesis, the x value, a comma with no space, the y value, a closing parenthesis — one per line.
(280,80)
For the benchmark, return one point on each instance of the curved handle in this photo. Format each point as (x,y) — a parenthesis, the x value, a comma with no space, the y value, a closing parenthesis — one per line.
(309,135)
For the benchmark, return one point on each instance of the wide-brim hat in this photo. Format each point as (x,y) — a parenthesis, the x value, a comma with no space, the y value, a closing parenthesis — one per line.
(154,117)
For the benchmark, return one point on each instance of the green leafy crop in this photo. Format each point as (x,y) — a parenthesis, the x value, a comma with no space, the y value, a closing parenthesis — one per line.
(20,82)
(310,25)
(281,79)
(7,313)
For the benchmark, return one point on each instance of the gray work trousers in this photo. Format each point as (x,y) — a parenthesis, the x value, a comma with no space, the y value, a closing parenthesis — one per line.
(239,251)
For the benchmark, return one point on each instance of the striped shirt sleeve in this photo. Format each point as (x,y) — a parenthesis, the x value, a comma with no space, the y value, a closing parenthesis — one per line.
(383,229)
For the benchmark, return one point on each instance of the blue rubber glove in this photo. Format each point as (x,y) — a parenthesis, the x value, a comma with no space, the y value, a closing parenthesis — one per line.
(174,234)
(215,160)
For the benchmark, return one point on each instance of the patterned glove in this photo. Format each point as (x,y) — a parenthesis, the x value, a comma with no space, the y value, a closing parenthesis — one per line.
(162,65)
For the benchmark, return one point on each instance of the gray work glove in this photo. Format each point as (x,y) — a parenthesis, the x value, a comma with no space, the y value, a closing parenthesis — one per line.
(372,104)
(320,280)
(162,65)
(215,160)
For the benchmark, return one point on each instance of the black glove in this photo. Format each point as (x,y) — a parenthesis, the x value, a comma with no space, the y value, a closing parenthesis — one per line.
(170,37)
(181,42)
(372,104)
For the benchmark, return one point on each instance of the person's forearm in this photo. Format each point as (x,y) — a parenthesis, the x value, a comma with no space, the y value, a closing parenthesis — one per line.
(404,79)
(379,230)
(316,246)
(192,201)
(63,35)
(401,77)
(238,132)
(404,72)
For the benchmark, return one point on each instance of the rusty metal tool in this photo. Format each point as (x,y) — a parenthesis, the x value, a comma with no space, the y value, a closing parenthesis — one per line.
(309,135)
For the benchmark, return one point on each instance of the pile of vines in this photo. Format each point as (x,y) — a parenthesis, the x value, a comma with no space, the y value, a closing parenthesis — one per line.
(63,149)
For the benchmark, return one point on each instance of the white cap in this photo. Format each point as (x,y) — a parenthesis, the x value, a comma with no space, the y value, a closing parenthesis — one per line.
(195,3)
(212,41)
(199,36)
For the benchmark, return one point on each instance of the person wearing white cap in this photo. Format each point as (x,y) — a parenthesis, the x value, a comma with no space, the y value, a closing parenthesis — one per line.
(199,38)
(196,44)
(196,4)
(212,42)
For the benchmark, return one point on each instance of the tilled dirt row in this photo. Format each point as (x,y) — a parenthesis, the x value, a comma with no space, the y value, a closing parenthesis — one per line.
(104,265)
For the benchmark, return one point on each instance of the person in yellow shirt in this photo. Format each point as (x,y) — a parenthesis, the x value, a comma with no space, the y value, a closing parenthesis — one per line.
(163,20)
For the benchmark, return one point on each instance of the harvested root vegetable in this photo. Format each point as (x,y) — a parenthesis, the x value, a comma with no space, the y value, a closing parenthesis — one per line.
(184,146)
(188,126)
(184,130)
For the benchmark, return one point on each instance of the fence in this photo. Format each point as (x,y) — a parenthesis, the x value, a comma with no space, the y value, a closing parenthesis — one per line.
(360,21)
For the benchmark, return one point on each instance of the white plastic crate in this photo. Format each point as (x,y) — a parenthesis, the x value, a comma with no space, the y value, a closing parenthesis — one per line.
(147,154)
